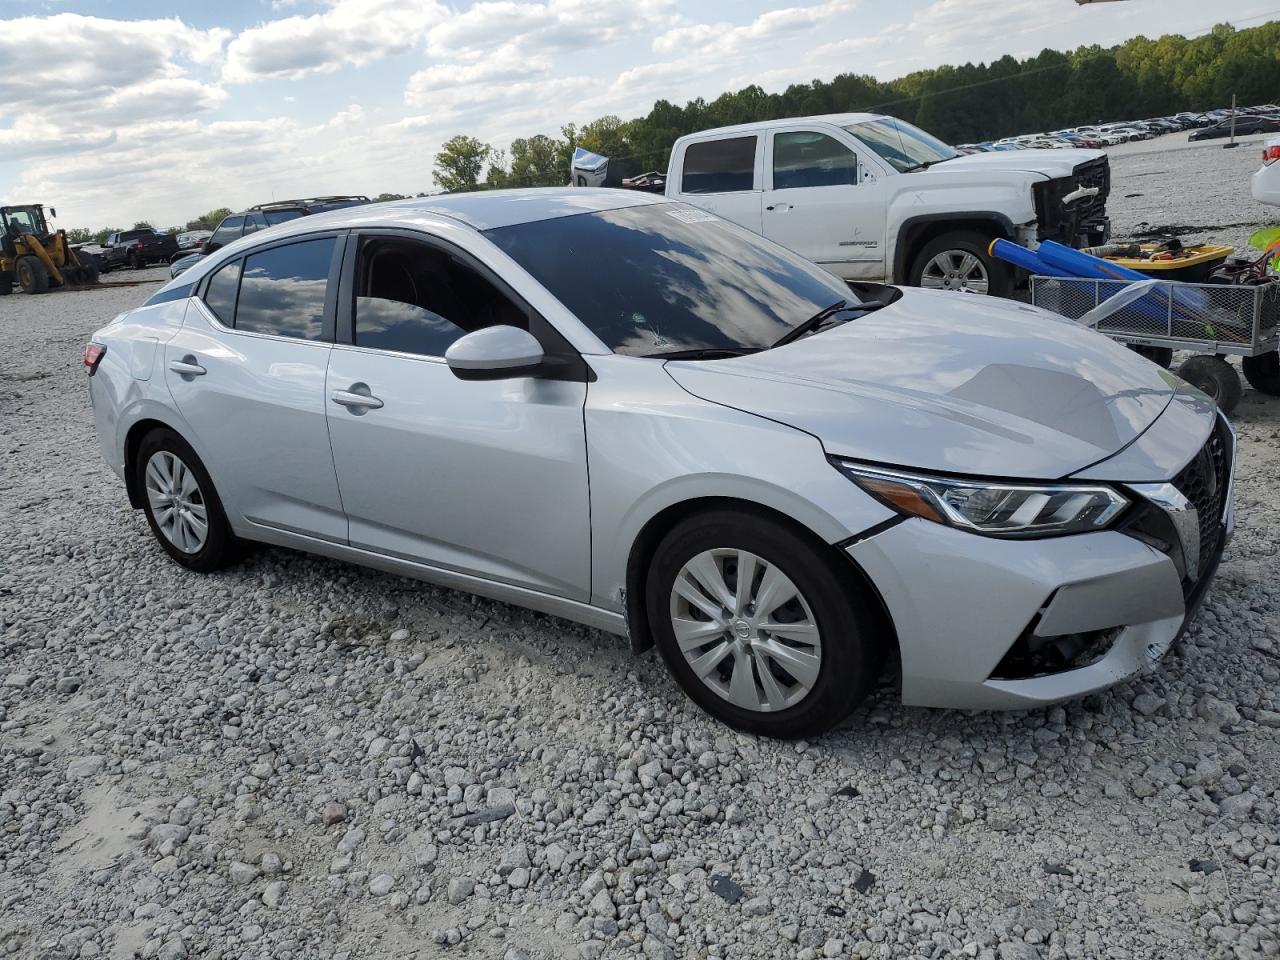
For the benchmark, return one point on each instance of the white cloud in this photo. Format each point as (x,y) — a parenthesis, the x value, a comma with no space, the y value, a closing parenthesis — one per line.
(347,33)
(768,29)
(72,58)
(556,26)
(504,67)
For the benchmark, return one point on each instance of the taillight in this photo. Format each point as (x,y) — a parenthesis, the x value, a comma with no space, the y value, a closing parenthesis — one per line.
(1271,154)
(93,354)
(138,244)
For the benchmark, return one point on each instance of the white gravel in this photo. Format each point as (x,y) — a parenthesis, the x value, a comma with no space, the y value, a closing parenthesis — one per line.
(298,758)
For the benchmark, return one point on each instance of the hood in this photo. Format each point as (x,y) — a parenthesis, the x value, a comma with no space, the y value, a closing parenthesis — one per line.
(949,382)
(1051,163)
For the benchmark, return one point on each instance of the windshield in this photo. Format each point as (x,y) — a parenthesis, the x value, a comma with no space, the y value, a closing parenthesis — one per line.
(282,216)
(904,146)
(22,220)
(661,278)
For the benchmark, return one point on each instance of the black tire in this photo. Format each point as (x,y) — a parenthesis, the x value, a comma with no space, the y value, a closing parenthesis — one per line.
(1215,377)
(136,261)
(89,272)
(1263,372)
(33,276)
(71,276)
(220,547)
(851,651)
(1160,356)
(6,283)
(999,274)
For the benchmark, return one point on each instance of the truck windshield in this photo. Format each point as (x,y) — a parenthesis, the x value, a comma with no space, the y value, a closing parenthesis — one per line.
(906,147)
(666,278)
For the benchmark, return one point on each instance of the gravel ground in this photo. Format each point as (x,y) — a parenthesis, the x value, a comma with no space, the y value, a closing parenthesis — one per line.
(299,758)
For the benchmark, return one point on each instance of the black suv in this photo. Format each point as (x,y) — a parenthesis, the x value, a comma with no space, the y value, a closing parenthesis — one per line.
(269,214)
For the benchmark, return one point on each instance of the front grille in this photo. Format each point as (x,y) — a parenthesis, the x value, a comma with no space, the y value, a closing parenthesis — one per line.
(1204,482)
(1083,221)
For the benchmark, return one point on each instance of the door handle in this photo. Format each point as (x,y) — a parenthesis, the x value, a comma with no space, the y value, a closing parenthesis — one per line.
(188,367)
(780,207)
(355,402)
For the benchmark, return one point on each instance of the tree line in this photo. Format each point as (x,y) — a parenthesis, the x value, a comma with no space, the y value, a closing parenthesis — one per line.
(1137,79)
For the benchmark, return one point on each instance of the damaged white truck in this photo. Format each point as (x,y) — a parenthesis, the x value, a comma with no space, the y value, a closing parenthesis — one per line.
(871,197)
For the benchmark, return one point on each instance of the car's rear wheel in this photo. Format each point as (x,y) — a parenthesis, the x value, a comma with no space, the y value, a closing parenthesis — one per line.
(1263,372)
(759,626)
(961,261)
(181,504)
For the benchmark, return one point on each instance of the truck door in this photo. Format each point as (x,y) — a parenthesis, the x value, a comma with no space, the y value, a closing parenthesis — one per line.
(723,176)
(816,203)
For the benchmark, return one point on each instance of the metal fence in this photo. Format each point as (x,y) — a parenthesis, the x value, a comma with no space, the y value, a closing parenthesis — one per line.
(1210,318)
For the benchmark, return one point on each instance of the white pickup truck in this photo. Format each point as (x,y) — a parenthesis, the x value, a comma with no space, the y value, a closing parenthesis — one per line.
(871,197)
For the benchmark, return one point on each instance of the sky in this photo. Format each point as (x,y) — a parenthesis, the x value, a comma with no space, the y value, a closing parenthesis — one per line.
(115,111)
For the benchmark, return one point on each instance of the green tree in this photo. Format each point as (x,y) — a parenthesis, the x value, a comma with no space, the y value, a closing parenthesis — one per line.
(459,163)
(210,220)
(384,197)
(79,235)
(536,162)
(100,236)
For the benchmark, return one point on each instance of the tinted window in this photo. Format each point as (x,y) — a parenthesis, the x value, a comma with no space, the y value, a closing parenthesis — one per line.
(282,216)
(667,277)
(283,290)
(811,160)
(719,166)
(254,221)
(228,230)
(136,234)
(416,299)
(220,296)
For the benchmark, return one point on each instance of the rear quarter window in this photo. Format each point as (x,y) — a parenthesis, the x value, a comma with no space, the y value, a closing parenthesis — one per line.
(283,290)
(719,166)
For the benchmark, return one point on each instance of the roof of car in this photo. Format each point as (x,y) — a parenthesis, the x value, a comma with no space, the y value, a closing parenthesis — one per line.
(487,209)
(838,119)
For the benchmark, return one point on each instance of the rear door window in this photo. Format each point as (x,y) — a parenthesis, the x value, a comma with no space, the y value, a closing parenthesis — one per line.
(283,290)
(719,166)
(254,221)
(220,296)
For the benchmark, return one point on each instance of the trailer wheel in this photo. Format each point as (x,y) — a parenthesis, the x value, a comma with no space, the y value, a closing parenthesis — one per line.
(1160,356)
(1263,372)
(1215,377)
(33,277)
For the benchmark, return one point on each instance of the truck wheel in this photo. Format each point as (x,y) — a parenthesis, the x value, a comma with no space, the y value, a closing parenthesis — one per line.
(959,261)
(1262,371)
(1215,377)
(33,277)
(135,261)
(90,271)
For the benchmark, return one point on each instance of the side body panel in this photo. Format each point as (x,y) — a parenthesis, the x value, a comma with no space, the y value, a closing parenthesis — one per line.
(651,445)
(484,477)
(742,207)
(259,413)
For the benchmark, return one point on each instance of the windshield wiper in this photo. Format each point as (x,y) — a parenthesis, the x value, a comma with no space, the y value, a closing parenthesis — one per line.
(926,164)
(813,323)
(703,353)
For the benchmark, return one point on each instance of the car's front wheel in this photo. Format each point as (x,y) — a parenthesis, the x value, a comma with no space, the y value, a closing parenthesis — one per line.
(759,626)
(961,261)
(181,504)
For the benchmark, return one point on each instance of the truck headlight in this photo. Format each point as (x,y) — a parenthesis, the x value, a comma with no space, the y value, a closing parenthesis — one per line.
(996,508)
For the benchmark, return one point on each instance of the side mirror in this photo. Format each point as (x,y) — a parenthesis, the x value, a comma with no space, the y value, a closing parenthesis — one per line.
(53,212)
(494,353)
(207,246)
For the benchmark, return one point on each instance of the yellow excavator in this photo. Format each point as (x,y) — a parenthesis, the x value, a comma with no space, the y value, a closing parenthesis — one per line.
(37,258)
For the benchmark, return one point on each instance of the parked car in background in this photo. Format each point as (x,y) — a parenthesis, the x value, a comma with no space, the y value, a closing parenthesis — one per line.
(260,217)
(192,240)
(1245,126)
(1265,185)
(1055,510)
(137,249)
(871,197)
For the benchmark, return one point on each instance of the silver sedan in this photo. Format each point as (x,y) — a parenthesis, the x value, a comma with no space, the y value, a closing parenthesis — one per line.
(630,413)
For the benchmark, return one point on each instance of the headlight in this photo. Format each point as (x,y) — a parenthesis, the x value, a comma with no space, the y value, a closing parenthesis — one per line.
(995,508)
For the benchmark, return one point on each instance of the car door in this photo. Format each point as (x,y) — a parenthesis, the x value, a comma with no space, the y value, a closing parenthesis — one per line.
(228,230)
(817,204)
(485,478)
(247,373)
(722,175)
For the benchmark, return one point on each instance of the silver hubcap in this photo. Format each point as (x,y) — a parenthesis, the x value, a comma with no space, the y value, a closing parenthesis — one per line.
(176,502)
(746,630)
(955,270)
